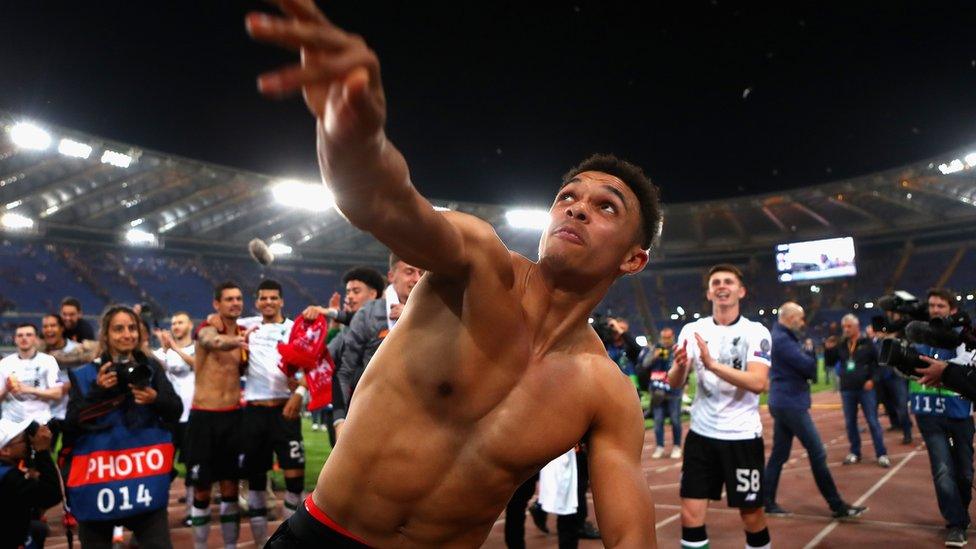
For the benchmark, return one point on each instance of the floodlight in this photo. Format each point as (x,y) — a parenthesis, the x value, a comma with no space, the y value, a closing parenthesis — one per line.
(528,219)
(28,136)
(139,237)
(307,196)
(279,248)
(116,159)
(74,149)
(16,222)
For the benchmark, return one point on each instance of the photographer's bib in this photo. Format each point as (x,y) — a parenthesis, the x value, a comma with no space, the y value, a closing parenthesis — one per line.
(120,471)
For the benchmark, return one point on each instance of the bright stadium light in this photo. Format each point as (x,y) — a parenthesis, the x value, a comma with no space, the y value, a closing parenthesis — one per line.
(680,310)
(775,311)
(116,159)
(139,237)
(762,312)
(952,167)
(969,297)
(306,196)
(970,159)
(16,222)
(869,305)
(674,316)
(14,204)
(696,316)
(279,248)
(442,209)
(590,320)
(527,219)
(74,149)
(28,136)
(814,289)
(641,340)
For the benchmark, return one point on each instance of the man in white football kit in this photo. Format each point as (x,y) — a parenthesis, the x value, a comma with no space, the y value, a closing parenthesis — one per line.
(176,354)
(28,380)
(730,355)
(271,424)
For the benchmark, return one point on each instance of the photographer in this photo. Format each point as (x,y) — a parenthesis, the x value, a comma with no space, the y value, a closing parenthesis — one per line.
(945,421)
(622,346)
(23,493)
(121,456)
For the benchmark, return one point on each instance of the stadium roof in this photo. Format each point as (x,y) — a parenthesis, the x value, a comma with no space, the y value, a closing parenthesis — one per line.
(101,193)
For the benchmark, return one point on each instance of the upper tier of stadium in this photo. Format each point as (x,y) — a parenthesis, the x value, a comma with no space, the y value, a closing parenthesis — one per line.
(75,186)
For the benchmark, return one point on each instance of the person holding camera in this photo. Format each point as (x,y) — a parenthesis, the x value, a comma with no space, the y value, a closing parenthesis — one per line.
(121,454)
(24,491)
(665,400)
(858,358)
(945,420)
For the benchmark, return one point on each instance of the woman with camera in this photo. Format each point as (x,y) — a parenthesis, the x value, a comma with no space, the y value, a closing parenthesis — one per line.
(120,454)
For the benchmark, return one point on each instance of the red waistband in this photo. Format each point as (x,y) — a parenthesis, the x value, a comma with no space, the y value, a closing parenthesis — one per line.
(320,516)
(227,409)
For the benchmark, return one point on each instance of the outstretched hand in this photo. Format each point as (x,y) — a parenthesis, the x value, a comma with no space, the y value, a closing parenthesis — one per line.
(338,75)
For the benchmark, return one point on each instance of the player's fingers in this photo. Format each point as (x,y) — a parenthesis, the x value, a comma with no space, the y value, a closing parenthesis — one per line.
(294,34)
(302,9)
(290,79)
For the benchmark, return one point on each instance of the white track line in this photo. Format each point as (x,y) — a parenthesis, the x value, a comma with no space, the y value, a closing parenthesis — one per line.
(877,485)
(668,520)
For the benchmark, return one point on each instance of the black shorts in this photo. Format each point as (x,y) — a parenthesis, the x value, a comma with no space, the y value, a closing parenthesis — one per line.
(710,463)
(304,530)
(212,446)
(267,434)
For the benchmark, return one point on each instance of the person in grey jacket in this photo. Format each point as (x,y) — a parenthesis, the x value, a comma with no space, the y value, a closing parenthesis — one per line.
(370,325)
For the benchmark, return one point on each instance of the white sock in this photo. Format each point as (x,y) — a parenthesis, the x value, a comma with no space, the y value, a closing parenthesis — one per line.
(258,512)
(201,526)
(230,521)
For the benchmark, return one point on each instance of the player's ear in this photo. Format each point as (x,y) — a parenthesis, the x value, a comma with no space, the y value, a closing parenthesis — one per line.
(635,260)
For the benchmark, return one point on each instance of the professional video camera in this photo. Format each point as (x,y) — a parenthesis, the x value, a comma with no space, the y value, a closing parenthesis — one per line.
(905,306)
(940,332)
(134,370)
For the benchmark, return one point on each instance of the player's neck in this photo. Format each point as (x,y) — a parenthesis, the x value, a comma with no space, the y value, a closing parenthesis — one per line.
(277,319)
(554,311)
(28,354)
(230,323)
(183,341)
(725,315)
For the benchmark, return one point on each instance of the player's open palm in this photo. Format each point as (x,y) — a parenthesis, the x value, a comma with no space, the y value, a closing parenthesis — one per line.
(339,76)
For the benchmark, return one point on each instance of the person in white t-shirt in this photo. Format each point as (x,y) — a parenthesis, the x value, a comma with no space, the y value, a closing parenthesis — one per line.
(730,355)
(56,345)
(271,423)
(28,379)
(176,355)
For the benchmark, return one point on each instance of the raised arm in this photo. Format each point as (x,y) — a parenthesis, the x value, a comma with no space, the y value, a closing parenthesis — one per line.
(339,78)
(624,507)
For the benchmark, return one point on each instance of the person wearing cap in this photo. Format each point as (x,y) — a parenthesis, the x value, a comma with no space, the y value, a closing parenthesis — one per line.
(28,480)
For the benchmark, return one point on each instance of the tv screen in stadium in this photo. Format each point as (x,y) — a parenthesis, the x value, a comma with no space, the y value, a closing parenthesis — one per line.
(815,259)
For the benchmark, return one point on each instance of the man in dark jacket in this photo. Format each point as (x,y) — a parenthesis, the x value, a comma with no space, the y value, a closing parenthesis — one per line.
(24,493)
(858,359)
(793,367)
(370,325)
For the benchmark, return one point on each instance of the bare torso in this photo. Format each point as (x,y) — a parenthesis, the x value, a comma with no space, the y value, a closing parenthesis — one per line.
(218,377)
(456,409)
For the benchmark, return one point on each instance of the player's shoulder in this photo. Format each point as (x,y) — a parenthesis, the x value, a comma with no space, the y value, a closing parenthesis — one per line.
(248,321)
(694,326)
(755,327)
(46,359)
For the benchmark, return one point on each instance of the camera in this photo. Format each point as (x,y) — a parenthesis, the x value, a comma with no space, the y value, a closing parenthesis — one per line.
(601,323)
(941,332)
(905,305)
(134,369)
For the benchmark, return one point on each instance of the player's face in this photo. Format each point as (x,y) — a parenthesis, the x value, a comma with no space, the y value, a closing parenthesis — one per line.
(25,338)
(270,303)
(51,330)
(230,304)
(939,307)
(123,333)
(70,315)
(593,228)
(357,294)
(403,278)
(179,325)
(725,289)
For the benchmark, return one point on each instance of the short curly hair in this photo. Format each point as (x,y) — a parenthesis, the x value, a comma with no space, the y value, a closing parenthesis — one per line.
(647,193)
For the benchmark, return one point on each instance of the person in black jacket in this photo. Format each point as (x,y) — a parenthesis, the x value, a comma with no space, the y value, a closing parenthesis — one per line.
(858,359)
(24,493)
(124,413)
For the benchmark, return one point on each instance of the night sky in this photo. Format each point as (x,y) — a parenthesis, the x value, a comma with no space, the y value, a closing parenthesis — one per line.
(492,101)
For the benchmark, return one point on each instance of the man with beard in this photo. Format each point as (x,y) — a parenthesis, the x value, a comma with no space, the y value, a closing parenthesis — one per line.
(213,431)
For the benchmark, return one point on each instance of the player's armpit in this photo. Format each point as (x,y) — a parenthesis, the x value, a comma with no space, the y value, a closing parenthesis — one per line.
(624,507)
